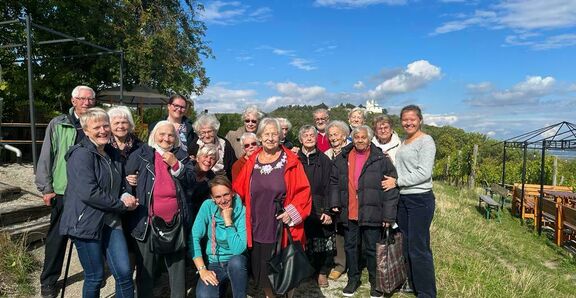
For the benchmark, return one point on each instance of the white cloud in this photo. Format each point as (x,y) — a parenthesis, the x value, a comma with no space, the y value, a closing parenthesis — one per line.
(303,64)
(294,94)
(526,18)
(356,3)
(233,12)
(359,85)
(480,87)
(282,52)
(440,120)
(416,75)
(529,91)
(219,98)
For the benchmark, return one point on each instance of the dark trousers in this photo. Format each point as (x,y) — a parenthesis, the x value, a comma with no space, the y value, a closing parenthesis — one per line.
(360,247)
(55,246)
(148,264)
(340,257)
(415,213)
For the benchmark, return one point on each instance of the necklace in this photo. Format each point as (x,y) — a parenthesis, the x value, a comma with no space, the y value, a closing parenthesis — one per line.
(268,168)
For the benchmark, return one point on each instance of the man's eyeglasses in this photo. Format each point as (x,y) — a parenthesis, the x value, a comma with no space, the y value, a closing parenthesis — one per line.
(250,121)
(321,119)
(85,98)
(178,107)
(246,146)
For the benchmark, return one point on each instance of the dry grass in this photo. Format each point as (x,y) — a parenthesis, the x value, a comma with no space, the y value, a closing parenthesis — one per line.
(16,266)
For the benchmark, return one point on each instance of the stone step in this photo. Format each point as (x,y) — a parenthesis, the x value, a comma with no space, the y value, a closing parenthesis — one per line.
(9,192)
(30,231)
(26,208)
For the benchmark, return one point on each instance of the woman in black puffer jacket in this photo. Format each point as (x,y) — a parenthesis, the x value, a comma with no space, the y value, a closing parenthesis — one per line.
(356,191)
(319,225)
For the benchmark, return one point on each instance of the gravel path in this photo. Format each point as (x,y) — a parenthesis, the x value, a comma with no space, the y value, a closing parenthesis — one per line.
(22,175)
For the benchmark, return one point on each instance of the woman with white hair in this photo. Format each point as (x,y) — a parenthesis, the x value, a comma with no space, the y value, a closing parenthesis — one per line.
(365,207)
(122,128)
(250,117)
(249,145)
(93,204)
(203,165)
(206,126)
(164,174)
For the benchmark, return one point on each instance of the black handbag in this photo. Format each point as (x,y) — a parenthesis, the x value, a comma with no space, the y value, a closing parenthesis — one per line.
(288,266)
(166,238)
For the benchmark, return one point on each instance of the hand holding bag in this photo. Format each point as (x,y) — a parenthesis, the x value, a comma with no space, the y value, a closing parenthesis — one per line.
(166,238)
(390,266)
(288,266)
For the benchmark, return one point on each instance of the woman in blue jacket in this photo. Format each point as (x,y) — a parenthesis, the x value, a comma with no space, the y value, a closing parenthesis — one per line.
(223,221)
(92,206)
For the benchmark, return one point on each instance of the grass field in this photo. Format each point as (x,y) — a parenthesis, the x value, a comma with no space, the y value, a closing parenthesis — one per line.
(475,257)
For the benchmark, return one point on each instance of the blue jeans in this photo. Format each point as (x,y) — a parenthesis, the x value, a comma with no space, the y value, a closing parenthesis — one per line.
(91,254)
(415,213)
(234,272)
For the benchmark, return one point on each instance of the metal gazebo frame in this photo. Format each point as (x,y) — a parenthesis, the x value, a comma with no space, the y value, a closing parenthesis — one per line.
(559,136)
(27,21)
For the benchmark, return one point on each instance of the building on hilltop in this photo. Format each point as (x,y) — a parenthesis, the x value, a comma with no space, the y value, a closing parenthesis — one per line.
(373,107)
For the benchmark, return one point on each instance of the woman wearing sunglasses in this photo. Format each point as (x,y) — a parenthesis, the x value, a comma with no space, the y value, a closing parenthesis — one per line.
(249,145)
(251,117)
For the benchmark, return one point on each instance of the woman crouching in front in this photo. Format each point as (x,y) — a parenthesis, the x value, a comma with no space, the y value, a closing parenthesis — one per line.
(223,221)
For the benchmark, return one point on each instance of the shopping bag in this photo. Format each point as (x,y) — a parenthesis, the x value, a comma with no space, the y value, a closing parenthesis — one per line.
(390,266)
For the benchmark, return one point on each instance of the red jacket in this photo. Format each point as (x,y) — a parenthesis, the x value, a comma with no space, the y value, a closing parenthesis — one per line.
(297,193)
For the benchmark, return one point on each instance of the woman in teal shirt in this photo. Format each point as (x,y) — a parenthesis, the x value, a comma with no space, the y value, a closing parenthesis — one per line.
(223,221)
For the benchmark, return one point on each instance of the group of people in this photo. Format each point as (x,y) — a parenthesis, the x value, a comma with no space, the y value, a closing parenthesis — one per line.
(222,199)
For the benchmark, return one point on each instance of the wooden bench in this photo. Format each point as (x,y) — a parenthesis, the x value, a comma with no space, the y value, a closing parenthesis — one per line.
(489,205)
(568,224)
(531,195)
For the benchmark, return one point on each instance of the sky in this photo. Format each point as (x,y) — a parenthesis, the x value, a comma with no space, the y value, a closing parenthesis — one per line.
(500,67)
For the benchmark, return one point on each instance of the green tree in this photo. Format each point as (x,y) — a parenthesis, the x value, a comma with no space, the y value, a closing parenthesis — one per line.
(162,40)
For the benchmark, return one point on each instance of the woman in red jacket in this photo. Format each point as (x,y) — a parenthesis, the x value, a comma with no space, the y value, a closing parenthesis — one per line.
(272,173)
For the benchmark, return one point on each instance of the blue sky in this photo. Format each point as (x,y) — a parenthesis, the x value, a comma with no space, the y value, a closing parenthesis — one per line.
(499,67)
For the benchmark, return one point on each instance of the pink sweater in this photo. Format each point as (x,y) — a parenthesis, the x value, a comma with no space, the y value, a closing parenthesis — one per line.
(164,201)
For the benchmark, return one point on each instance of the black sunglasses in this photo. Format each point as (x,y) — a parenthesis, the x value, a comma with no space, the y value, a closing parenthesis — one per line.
(251,144)
(248,121)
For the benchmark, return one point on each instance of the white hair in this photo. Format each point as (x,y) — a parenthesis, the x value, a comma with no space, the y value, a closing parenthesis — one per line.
(208,150)
(285,121)
(206,120)
(252,110)
(306,128)
(151,139)
(77,90)
(246,135)
(122,112)
(268,121)
(93,114)
(366,128)
(363,112)
(340,125)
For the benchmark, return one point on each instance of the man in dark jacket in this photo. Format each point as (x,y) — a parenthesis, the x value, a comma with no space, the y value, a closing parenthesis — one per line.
(356,192)
(62,132)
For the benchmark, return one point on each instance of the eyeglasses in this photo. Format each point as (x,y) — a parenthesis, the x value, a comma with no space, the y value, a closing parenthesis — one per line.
(178,107)
(250,121)
(206,132)
(85,98)
(246,146)
(321,119)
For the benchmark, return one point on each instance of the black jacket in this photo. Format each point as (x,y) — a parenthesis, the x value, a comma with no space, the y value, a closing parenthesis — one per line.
(94,187)
(142,161)
(317,167)
(229,155)
(375,206)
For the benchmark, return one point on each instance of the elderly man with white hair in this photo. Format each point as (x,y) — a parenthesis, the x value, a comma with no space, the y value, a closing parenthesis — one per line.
(62,133)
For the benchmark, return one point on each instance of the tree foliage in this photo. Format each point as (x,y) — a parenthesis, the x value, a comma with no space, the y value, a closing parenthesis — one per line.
(162,40)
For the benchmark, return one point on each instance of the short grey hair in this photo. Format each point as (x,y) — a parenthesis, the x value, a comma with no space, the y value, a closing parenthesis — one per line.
(382,118)
(268,121)
(321,110)
(93,114)
(208,150)
(78,88)
(207,120)
(246,135)
(252,110)
(363,112)
(152,142)
(306,128)
(285,121)
(122,112)
(366,128)
(340,125)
